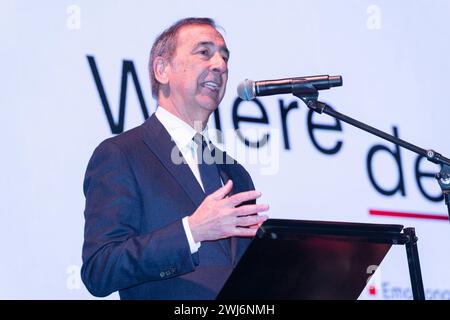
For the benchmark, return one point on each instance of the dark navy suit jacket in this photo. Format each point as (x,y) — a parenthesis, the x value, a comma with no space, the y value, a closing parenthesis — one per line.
(134,241)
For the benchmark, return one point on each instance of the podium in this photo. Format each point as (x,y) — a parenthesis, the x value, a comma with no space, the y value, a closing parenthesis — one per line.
(297,259)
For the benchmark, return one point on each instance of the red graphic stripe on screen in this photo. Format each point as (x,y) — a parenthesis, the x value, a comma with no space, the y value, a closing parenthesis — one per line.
(415,215)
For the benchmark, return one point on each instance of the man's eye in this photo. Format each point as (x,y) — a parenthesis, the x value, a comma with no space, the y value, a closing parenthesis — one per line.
(204,52)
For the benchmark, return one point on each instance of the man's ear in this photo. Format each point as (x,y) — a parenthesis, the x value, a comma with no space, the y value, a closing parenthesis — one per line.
(160,68)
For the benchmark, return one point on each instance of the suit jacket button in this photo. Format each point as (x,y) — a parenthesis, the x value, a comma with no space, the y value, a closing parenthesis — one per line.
(162,274)
(168,273)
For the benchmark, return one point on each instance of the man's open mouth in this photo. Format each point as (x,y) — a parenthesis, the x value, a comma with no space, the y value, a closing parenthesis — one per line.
(211,85)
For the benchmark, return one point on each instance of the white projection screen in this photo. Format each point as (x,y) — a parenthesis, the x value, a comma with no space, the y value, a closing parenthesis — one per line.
(393,57)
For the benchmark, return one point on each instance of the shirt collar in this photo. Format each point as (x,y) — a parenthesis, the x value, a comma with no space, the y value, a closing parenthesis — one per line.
(181,132)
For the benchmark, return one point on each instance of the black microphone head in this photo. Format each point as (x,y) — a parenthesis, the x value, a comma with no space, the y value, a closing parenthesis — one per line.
(246,90)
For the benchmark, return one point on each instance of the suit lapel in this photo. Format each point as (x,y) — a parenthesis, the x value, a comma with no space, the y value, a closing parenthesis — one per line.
(161,144)
(159,141)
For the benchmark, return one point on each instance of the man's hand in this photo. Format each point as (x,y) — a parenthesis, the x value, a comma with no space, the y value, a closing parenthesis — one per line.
(217,218)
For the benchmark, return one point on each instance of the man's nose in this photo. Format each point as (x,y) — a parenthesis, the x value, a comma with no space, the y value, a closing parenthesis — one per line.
(219,64)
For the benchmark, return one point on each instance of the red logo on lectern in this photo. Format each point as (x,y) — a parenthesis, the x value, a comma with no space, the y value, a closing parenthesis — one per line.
(372,290)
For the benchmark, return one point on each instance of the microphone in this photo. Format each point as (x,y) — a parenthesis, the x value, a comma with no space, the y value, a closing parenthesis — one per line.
(249,90)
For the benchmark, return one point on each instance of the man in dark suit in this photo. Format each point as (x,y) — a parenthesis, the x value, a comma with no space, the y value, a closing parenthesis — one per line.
(162,222)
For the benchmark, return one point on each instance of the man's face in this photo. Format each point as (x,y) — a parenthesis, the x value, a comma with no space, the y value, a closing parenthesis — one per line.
(198,70)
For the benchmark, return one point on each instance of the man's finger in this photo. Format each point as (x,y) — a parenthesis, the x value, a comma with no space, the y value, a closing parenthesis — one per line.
(250,220)
(223,191)
(250,209)
(245,232)
(238,198)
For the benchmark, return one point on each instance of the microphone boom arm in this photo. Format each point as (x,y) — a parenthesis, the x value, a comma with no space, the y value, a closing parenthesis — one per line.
(443,177)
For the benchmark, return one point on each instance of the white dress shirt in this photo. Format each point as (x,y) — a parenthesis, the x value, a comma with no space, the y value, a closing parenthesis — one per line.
(182,134)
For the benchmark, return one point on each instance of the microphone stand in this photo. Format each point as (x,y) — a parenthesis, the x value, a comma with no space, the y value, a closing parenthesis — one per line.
(311,100)
(443,176)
